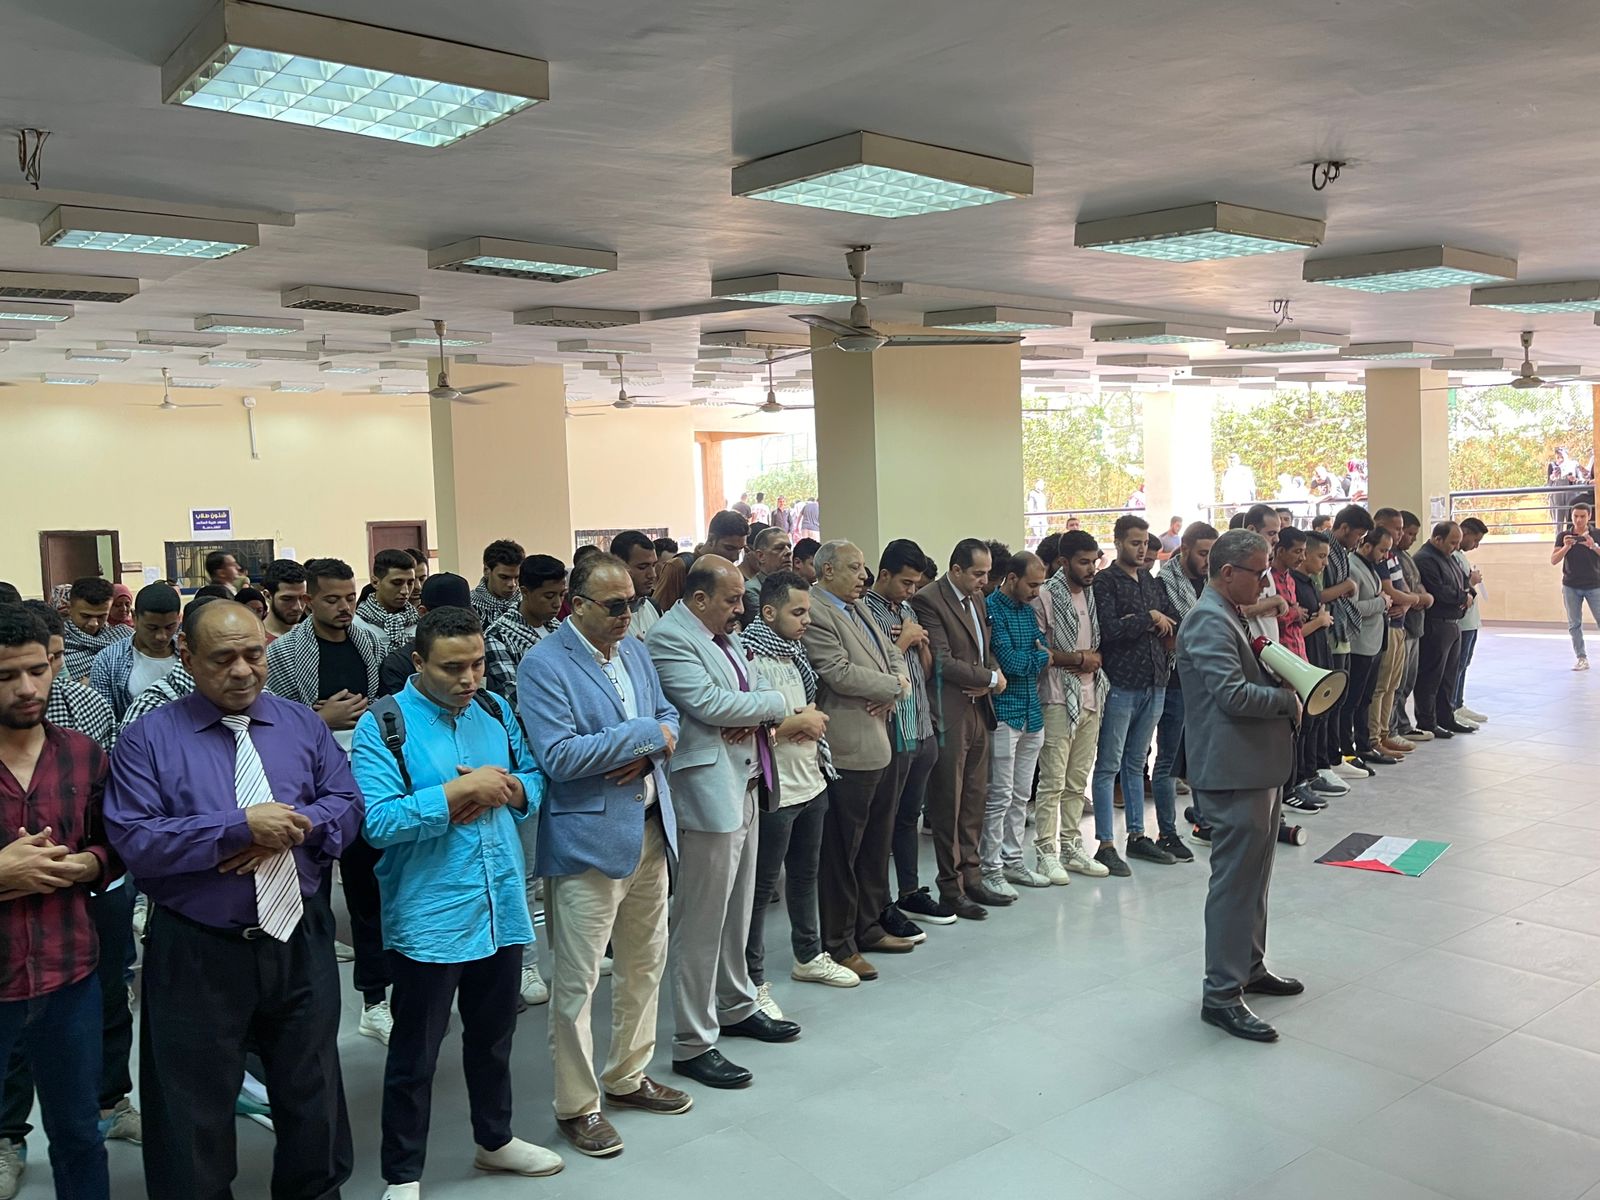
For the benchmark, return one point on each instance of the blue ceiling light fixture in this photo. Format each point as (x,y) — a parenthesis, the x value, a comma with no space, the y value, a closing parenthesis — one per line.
(874,175)
(1200,233)
(299,68)
(1414,270)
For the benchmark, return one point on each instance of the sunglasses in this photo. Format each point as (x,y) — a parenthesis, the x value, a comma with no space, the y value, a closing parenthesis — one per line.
(614,608)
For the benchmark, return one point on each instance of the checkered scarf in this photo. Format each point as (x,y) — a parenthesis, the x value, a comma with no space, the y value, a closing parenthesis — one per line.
(396,626)
(489,607)
(1346,619)
(293,658)
(761,639)
(82,647)
(1057,594)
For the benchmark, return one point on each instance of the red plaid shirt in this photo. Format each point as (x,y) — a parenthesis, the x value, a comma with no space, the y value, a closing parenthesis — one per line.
(48,941)
(1290,635)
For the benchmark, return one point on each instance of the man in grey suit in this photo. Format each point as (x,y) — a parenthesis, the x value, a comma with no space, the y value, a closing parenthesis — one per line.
(1238,734)
(602,732)
(723,762)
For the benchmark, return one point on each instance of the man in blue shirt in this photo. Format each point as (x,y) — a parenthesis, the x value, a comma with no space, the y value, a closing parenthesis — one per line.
(447,779)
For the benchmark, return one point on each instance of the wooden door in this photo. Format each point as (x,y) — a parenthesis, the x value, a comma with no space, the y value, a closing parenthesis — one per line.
(68,554)
(396,535)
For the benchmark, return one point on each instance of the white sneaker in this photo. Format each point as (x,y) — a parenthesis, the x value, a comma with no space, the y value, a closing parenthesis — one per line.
(518,1157)
(766,1003)
(605,965)
(1073,858)
(1328,777)
(1471,714)
(377,1022)
(1581,665)
(995,881)
(1345,771)
(1026,876)
(1050,866)
(822,969)
(141,913)
(342,952)
(403,1191)
(534,989)
(12,1165)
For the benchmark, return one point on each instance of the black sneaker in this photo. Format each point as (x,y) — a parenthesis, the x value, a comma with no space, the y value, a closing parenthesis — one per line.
(1303,799)
(1108,858)
(921,906)
(1324,787)
(1140,846)
(1173,845)
(1201,833)
(895,925)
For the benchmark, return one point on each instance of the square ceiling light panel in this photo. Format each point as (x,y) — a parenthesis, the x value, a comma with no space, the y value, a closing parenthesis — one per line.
(257,60)
(757,339)
(1577,295)
(273,354)
(1156,333)
(344,368)
(38,285)
(873,175)
(1053,375)
(32,311)
(181,381)
(576,318)
(993,319)
(286,386)
(1234,372)
(228,362)
(100,356)
(1382,350)
(311,297)
(521,260)
(73,228)
(1044,353)
(134,347)
(261,326)
(12,333)
(1287,340)
(1143,361)
(452,337)
(1200,233)
(189,341)
(1319,377)
(1412,270)
(778,288)
(601,346)
(70,380)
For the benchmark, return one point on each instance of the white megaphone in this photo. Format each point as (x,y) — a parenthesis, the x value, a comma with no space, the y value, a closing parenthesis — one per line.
(1319,690)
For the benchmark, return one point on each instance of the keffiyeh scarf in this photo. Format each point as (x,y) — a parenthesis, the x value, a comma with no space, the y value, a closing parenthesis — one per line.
(82,647)
(396,626)
(761,639)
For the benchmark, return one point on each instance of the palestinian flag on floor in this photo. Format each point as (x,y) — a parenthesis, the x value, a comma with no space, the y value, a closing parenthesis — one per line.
(1392,855)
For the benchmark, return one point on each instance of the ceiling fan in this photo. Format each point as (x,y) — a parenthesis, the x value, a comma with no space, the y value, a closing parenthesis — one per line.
(442,390)
(625,401)
(859,337)
(1526,379)
(771,404)
(167,403)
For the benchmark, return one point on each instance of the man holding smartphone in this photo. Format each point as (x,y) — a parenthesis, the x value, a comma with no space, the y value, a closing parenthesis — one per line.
(1579,557)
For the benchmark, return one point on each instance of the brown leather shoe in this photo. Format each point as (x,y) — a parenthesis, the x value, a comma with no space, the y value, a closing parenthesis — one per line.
(860,966)
(1396,749)
(590,1134)
(653,1097)
(889,944)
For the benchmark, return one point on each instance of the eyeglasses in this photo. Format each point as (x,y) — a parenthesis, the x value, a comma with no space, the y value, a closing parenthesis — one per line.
(614,608)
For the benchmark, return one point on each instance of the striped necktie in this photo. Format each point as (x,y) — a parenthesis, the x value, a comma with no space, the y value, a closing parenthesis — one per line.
(278,902)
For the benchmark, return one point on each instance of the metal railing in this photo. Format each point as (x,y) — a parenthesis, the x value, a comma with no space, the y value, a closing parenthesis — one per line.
(1522,512)
(1097,521)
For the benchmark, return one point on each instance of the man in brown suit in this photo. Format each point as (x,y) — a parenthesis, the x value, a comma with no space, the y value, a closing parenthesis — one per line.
(953,613)
(861,676)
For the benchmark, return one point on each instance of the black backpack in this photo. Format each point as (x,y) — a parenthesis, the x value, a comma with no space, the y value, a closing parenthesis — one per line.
(392,727)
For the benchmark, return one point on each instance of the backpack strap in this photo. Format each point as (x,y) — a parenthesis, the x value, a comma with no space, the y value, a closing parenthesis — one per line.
(392,728)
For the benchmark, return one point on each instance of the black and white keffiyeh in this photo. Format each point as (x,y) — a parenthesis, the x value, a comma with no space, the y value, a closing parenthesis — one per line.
(81,647)
(763,641)
(292,662)
(1057,593)
(489,607)
(396,626)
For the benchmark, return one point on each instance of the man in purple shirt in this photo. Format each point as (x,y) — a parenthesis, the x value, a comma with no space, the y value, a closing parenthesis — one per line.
(229,806)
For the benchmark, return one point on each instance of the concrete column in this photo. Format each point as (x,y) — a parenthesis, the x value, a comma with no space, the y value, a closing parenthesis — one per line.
(921,443)
(1408,439)
(500,467)
(1179,478)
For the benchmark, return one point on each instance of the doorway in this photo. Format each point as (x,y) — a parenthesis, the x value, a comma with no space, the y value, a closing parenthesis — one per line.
(396,535)
(68,554)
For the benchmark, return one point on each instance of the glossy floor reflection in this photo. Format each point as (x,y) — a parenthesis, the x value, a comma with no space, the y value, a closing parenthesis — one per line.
(1448,1044)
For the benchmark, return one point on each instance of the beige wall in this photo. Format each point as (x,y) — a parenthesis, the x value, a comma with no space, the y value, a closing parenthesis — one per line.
(632,469)
(1179,479)
(87,458)
(1408,438)
(1520,584)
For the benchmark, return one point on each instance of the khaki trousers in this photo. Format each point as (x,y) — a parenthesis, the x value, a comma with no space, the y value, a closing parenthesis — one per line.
(581,913)
(1391,668)
(1064,766)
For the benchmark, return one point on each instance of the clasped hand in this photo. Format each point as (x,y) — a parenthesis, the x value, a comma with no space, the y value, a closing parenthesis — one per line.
(477,790)
(33,864)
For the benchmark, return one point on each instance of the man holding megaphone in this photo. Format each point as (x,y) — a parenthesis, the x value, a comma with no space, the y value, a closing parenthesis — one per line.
(1239,737)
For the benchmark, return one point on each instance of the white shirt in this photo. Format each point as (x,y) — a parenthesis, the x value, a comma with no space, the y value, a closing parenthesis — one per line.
(971,610)
(614,670)
(144,670)
(1266,624)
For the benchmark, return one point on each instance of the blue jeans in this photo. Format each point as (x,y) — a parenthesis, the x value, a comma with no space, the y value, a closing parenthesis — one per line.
(59,1033)
(1469,642)
(1575,599)
(1125,731)
(1169,739)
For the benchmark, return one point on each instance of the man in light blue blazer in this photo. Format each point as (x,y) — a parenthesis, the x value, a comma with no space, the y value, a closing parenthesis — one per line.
(1238,735)
(718,772)
(602,732)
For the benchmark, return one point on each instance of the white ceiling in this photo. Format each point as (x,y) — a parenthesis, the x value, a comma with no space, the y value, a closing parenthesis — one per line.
(1467,122)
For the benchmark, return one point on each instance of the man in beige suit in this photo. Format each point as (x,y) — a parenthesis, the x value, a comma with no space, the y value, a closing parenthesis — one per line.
(952,611)
(861,676)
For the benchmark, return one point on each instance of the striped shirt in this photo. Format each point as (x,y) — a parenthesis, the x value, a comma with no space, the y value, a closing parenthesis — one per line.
(913,717)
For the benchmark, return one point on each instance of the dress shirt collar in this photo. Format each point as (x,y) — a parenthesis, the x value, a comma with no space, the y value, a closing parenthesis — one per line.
(206,714)
(962,600)
(841,605)
(600,660)
(436,712)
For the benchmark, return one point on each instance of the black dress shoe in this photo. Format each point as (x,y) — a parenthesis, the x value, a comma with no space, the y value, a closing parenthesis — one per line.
(1458,727)
(713,1070)
(1379,758)
(763,1028)
(1274,985)
(1238,1020)
(976,891)
(966,909)
(1440,731)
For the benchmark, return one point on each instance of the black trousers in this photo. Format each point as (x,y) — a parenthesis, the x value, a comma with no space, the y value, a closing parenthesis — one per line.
(1355,709)
(207,992)
(113,921)
(1437,665)
(486,993)
(908,814)
(853,874)
(356,875)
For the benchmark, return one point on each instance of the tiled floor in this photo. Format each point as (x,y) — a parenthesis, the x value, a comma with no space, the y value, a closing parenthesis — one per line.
(1448,1044)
